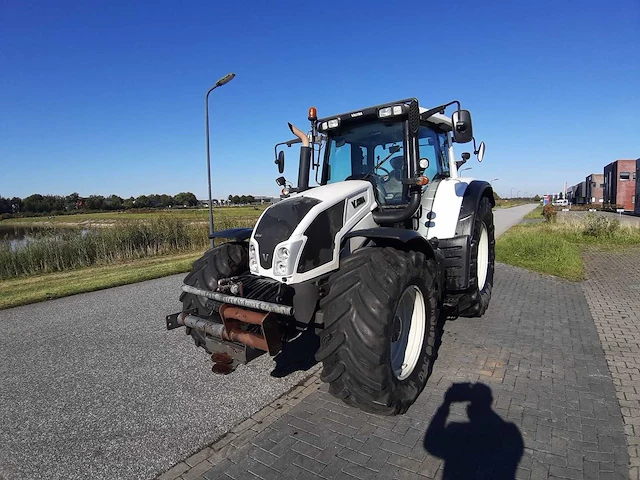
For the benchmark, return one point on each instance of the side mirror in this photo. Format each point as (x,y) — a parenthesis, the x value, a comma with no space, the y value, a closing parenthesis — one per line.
(281,181)
(480,152)
(462,128)
(280,161)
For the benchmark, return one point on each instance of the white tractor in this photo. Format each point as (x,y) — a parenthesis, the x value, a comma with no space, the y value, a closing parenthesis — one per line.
(390,241)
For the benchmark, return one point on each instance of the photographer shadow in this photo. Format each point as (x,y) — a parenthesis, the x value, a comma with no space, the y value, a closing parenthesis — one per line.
(485,447)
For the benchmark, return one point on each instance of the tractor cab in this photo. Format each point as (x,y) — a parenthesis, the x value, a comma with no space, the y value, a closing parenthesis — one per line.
(398,147)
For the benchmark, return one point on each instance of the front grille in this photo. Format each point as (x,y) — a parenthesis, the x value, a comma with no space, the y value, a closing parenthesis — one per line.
(266,289)
(278,223)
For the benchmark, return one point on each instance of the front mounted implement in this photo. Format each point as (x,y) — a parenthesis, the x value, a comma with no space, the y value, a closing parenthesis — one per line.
(248,327)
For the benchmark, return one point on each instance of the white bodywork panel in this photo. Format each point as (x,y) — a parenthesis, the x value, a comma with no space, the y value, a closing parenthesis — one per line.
(329,195)
(440,214)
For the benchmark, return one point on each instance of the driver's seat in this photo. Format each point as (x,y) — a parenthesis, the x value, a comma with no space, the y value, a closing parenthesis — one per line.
(393,187)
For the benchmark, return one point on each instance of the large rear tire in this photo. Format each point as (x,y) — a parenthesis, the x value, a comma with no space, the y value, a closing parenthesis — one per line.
(380,319)
(226,260)
(482,261)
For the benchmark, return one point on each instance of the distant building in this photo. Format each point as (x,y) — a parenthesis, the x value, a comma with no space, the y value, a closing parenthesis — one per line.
(594,188)
(620,183)
(637,203)
(578,194)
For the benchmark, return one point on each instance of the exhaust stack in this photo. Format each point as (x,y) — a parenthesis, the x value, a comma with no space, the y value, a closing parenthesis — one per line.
(305,158)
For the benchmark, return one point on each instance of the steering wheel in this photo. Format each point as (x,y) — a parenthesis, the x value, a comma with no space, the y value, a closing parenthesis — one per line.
(385,178)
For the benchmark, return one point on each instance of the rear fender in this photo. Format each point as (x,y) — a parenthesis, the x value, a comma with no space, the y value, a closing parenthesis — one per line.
(457,249)
(470,203)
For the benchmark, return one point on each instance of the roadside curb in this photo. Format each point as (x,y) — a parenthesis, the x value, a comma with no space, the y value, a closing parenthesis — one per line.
(238,439)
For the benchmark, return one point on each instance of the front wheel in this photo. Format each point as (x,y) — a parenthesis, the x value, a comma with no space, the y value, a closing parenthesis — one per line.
(380,319)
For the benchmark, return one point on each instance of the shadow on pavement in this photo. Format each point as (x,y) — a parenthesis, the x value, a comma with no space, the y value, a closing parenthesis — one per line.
(485,447)
(299,354)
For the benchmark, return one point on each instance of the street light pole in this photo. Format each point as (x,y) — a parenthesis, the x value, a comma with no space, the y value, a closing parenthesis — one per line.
(491,182)
(224,80)
(468,168)
(518,194)
(512,189)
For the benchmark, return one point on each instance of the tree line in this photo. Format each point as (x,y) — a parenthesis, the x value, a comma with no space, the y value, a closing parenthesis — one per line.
(55,204)
(37,204)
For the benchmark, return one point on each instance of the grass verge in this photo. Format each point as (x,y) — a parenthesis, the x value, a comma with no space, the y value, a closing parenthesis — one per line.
(536,248)
(556,248)
(24,290)
(535,213)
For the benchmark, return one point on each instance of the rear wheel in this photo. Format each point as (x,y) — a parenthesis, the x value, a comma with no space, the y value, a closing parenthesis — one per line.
(482,260)
(380,320)
(226,260)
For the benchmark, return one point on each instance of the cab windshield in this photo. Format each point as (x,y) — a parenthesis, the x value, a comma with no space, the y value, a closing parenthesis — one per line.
(373,151)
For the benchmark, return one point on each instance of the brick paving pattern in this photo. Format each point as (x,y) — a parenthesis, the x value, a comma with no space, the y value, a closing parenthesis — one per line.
(554,412)
(613,293)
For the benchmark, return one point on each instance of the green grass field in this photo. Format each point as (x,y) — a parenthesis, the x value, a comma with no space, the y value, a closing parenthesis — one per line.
(535,213)
(37,288)
(196,215)
(556,248)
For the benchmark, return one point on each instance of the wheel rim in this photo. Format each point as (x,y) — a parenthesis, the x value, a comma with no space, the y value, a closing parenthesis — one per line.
(483,258)
(409,322)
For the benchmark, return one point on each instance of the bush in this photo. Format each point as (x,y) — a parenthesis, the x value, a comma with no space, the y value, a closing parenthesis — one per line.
(599,226)
(549,213)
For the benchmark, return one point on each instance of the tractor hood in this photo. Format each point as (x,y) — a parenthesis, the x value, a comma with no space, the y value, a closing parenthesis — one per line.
(299,238)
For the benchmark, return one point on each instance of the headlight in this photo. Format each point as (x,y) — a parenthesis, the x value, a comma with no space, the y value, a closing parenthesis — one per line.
(281,268)
(389,111)
(253,261)
(284,257)
(333,123)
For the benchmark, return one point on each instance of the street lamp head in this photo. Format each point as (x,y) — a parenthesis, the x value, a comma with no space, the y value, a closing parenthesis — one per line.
(226,79)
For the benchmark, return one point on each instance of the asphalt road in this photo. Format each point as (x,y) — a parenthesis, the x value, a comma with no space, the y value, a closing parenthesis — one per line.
(93,386)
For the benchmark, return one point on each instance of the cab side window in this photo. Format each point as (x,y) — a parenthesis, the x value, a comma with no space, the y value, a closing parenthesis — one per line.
(434,147)
(444,154)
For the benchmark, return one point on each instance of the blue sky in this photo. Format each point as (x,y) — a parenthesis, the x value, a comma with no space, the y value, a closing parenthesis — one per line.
(108,97)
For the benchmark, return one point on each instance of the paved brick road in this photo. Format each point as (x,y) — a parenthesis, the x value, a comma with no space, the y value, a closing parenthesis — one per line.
(613,293)
(554,412)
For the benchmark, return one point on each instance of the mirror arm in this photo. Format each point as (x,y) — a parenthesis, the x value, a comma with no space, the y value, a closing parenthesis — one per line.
(440,109)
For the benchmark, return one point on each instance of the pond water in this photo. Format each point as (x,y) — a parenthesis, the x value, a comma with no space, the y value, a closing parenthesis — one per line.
(18,237)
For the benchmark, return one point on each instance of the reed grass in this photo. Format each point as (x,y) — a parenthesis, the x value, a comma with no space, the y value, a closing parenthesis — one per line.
(58,250)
